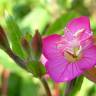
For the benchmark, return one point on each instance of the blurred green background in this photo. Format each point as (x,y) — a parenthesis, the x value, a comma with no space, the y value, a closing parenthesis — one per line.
(48,16)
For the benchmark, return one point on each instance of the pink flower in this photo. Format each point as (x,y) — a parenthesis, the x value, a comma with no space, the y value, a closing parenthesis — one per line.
(70,55)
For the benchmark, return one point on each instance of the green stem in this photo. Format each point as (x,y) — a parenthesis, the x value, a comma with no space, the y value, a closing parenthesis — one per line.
(45,84)
(17,59)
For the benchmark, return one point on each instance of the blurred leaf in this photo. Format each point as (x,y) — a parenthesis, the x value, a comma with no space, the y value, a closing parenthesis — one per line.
(64,4)
(37,19)
(91,74)
(78,85)
(9,64)
(4,44)
(92,91)
(93,25)
(14,85)
(74,86)
(5,5)
(21,10)
(42,69)
(26,46)
(79,6)
(87,84)
(31,87)
(61,22)
(15,35)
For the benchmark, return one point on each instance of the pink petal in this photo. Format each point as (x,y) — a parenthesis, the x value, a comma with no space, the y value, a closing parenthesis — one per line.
(89,58)
(79,26)
(43,59)
(50,46)
(79,23)
(61,70)
(87,43)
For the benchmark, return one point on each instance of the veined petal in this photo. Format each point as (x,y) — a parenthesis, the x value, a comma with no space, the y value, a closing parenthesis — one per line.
(61,70)
(50,46)
(89,58)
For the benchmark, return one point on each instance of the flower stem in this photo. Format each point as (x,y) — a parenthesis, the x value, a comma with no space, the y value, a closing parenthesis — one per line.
(45,84)
(16,58)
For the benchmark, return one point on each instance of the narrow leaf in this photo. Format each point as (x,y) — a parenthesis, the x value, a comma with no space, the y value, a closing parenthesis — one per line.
(15,35)
(4,44)
(74,86)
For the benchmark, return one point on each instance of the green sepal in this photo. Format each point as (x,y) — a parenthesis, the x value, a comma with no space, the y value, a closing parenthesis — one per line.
(36,68)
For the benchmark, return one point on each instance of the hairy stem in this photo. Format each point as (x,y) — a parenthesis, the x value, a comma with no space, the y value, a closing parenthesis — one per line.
(45,84)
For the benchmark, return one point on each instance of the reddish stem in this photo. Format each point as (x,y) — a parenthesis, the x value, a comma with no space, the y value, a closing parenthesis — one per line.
(4,86)
(45,84)
(56,89)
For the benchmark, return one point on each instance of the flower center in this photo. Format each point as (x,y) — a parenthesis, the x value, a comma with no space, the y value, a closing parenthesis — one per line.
(71,50)
(73,57)
(75,53)
(73,45)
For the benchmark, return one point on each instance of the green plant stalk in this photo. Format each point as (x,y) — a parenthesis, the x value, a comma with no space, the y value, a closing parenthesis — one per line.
(45,84)
(16,58)
(21,63)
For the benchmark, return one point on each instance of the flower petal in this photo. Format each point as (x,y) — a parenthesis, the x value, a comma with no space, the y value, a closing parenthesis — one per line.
(43,59)
(61,70)
(79,23)
(50,46)
(89,58)
(78,28)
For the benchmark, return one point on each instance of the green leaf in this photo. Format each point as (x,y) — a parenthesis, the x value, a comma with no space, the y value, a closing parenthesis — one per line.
(37,19)
(42,69)
(74,86)
(20,10)
(4,44)
(14,85)
(78,85)
(9,64)
(14,34)
(64,4)
(93,25)
(60,23)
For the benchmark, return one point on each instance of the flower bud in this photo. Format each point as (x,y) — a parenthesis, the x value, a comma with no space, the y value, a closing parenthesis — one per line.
(37,45)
